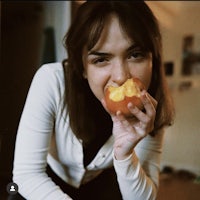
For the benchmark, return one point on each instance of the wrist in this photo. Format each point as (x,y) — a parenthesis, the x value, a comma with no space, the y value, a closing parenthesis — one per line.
(122,156)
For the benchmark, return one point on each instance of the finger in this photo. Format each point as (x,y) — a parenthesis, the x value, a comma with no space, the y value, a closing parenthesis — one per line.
(124,122)
(149,104)
(114,118)
(120,118)
(154,102)
(141,116)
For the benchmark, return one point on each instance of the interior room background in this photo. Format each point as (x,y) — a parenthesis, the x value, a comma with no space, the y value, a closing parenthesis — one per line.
(32,33)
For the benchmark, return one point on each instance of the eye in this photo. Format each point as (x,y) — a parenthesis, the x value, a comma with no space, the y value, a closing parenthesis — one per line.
(99,60)
(136,55)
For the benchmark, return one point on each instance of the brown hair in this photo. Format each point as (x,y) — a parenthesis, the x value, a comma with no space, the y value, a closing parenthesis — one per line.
(87,115)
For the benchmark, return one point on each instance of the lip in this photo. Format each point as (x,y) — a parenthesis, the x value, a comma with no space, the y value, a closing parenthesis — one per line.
(110,85)
(105,88)
(113,85)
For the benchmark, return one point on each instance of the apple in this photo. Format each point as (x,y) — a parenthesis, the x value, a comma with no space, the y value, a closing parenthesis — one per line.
(117,98)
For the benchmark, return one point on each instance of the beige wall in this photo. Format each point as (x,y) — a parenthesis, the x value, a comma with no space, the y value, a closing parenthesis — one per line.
(182,140)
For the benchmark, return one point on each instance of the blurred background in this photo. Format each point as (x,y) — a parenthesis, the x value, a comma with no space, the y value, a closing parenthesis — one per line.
(32,33)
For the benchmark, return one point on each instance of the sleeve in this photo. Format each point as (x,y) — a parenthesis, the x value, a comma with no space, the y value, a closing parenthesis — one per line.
(138,175)
(33,139)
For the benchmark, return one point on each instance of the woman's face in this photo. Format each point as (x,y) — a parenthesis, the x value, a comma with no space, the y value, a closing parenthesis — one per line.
(114,59)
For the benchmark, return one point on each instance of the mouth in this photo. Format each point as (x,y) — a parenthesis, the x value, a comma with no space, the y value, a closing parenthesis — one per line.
(114,85)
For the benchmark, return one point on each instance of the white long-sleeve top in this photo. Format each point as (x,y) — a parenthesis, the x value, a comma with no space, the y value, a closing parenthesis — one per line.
(44,136)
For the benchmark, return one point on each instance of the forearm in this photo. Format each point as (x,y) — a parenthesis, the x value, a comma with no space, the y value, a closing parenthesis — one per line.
(29,171)
(34,136)
(38,186)
(133,181)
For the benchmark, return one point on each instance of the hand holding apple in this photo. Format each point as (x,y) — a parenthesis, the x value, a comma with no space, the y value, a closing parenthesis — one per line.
(134,121)
(117,98)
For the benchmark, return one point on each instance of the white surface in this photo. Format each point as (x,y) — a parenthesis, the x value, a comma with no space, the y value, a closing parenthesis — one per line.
(182,141)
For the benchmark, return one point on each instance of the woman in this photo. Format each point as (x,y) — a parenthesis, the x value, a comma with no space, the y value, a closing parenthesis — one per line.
(68,144)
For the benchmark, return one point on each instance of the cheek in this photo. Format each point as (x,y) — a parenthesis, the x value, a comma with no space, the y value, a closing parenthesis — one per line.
(97,81)
(148,80)
(144,73)
(147,73)
(94,77)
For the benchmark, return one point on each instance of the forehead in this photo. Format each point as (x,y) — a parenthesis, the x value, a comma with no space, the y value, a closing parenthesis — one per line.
(113,35)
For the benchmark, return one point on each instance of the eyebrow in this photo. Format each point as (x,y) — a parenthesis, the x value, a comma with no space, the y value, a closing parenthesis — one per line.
(133,47)
(97,53)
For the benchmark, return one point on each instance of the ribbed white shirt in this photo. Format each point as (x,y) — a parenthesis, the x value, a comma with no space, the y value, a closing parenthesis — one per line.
(43,118)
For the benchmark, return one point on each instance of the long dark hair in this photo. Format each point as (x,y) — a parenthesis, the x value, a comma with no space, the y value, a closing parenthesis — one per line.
(87,116)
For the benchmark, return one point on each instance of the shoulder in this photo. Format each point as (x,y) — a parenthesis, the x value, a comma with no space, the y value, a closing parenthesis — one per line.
(46,89)
(50,75)
(48,84)
(52,69)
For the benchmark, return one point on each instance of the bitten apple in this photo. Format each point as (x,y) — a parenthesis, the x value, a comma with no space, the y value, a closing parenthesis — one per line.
(117,98)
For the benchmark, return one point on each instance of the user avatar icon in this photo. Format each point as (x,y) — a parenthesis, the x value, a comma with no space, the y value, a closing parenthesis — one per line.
(12,188)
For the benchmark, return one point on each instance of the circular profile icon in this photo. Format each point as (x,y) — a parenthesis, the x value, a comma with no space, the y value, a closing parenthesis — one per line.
(12,188)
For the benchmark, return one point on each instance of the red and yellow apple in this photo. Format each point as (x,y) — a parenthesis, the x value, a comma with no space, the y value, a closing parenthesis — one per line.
(117,98)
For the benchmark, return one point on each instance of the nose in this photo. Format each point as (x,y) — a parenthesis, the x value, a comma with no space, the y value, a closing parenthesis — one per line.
(120,73)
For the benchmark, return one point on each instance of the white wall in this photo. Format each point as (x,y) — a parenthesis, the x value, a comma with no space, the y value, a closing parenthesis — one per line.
(58,16)
(182,140)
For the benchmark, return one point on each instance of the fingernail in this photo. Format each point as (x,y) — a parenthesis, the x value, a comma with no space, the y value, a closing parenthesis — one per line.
(145,94)
(118,113)
(130,105)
